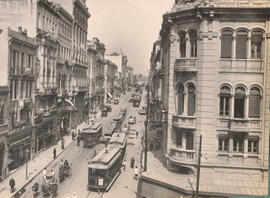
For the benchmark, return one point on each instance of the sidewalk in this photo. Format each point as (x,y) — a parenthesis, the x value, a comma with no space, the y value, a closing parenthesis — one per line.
(35,166)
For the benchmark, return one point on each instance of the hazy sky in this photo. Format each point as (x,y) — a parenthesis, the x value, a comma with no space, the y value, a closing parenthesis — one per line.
(130,25)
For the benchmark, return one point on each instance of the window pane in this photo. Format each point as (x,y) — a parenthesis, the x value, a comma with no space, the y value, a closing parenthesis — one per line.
(191,100)
(183,45)
(193,44)
(226,44)
(241,45)
(180,99)
(189,140)
(227,106)
(239,108)
(221,106)
(256,44)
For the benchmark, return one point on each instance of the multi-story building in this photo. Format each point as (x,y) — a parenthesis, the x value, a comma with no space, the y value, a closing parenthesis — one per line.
(129,75)
(109,75)
(18,78)
(96,50)
(121,61)
(64,72)
(4,115)
(215,67)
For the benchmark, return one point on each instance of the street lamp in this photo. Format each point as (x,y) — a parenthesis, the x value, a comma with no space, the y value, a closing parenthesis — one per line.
(27,151)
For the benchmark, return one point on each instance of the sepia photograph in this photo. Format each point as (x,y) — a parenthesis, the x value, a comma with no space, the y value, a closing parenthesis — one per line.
(134,98)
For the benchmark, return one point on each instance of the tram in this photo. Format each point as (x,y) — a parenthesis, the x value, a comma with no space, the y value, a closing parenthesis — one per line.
(91,134)
(104,168)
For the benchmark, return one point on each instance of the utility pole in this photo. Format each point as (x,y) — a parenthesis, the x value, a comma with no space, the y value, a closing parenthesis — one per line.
(146,130)
(198,168)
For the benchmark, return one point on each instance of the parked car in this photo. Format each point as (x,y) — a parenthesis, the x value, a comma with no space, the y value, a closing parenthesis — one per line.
(132,120)
(130,99)
(116,101)
(142,112)
(104,112)
(109,108)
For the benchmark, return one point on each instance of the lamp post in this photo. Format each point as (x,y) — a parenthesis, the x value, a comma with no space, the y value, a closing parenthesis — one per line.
(26,164)
(146,130)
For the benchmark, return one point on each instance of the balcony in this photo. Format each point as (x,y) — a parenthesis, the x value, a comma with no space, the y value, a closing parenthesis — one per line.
(186,65)
(239,124)
(183,155)
(186,122)
(241,65)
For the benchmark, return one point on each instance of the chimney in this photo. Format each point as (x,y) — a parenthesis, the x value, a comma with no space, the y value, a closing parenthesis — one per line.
(20,29)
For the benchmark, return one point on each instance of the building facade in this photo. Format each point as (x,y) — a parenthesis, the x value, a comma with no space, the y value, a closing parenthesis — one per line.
(214,82)
(109,80)
(19,75)
(96,51)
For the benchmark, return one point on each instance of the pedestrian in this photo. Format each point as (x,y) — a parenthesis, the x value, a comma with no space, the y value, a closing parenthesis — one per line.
(124,165)
(132,162)
(137,134)
(44,173)
(52,173)
(78,140)
(63,144)
(136,172)
(73,135)
(54,153)
(12,185)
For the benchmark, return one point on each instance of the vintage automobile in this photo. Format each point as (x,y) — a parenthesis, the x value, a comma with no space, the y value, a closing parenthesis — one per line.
(142,112)
(49,186)
(104,112)
(132,120)
(116,101)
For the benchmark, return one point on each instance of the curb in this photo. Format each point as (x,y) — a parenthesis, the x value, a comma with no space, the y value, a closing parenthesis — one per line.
(19,192)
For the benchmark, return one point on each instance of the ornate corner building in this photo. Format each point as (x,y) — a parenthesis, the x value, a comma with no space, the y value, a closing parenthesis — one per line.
(214,73)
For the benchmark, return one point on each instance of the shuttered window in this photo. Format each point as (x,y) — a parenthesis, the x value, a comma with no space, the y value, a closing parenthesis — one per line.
(191,100)
(180,99)
(254,102)
(241,45)
(182,44)
(226,44)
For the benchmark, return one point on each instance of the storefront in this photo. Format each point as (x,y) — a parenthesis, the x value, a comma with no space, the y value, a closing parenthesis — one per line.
(19,142)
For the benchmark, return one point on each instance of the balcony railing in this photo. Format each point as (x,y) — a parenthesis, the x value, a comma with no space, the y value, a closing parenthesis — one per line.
(186,65)
(239,124)
(241,65)
(183,155)
(187,122)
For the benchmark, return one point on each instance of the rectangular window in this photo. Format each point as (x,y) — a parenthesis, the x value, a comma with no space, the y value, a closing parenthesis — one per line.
(224,107)
(11,90)
(178,138)
(189,141)
(239,107)
(253,145)
(22,61)
(226,46)
(238,143)
(183,45)
(22,89)
(241,47)
(15,90)
(254,105)
(223,144)
(191,103)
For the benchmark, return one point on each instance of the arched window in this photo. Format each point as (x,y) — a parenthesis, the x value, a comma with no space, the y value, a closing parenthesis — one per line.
(226,44)
(193,43)
(256,44)
(254,102)
(241,44)
(224,105)
(191,100)
(239,102)
(180,99)
(182,36)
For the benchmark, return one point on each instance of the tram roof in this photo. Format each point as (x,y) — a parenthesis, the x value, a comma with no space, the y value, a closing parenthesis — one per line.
(119,138)
(92,128)
(105,158)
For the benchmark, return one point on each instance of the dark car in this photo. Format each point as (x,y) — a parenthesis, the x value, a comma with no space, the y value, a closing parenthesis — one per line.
(109,108)
(116,101)
(104,113)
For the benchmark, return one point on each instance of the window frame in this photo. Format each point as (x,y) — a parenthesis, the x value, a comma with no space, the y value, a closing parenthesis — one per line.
(182,44)
(226,36)
(225,101)
(254,34)
(189,104)
(241,44)
(193,44)
(258,96)
(224,144)
(239,96)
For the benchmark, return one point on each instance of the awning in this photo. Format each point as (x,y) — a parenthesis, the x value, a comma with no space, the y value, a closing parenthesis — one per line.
(109,95)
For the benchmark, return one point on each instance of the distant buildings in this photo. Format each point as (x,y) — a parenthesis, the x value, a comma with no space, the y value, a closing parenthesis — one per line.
(209,77)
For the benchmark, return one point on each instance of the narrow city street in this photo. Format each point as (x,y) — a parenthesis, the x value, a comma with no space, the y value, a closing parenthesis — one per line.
(76,184)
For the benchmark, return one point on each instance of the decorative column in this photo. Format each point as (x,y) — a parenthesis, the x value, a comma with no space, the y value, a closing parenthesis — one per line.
(184,140)
(232,106)
(185,102)
(245,145)
(230,144)
(247,106)
(234,46)
(45,54)
(188,47)
(249,46)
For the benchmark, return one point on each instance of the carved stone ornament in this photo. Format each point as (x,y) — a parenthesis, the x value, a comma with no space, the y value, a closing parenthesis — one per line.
(172,38)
